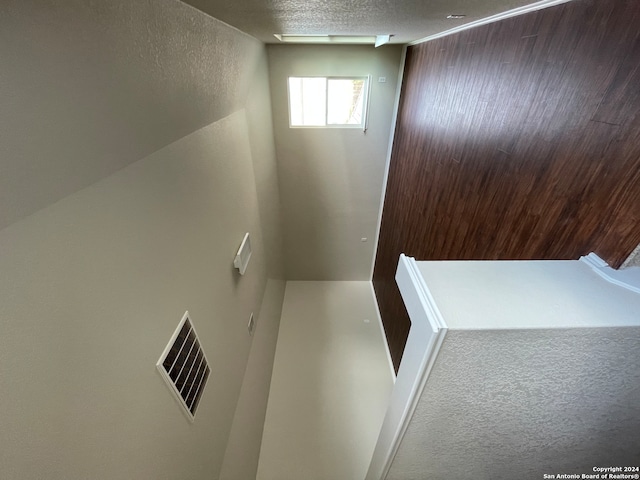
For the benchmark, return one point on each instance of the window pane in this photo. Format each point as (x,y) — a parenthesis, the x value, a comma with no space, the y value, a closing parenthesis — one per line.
(307,101)
(346,101)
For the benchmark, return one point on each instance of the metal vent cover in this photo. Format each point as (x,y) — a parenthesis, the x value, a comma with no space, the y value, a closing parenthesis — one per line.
(184,366)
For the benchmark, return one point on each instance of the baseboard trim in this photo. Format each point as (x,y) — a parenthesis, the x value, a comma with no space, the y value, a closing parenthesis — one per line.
(387,164)
(628,278)
(384,335)
(493,18)
(426,335)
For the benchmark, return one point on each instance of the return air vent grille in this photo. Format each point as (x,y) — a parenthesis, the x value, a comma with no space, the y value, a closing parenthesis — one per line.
(184,366)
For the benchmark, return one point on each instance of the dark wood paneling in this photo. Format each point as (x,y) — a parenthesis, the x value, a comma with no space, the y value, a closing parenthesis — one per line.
(516,140)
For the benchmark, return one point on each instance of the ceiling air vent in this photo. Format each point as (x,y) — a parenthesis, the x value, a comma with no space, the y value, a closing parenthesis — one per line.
(184,366)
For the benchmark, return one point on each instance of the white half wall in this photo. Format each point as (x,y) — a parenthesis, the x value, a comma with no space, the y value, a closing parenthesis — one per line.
(331,179)
(537,373)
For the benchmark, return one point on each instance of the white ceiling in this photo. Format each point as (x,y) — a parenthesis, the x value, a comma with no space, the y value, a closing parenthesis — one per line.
(407,20)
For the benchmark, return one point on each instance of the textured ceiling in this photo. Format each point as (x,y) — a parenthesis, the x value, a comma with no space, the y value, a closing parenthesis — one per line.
(407,20)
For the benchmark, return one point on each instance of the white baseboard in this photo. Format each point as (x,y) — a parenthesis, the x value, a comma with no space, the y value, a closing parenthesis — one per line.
(628,278)
(493,18)
(384,335)
(426,335)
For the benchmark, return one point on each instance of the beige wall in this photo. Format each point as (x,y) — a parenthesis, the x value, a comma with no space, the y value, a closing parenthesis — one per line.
(91,87)
(331,179)
(245,440)
(330,387)
(94,284)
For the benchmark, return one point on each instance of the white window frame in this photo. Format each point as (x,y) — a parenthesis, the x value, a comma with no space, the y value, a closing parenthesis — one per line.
(365,101)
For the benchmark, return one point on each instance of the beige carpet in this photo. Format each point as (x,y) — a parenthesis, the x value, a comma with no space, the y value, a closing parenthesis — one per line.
(632,260)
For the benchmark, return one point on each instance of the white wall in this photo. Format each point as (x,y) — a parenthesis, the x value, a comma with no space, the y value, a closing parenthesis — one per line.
(104,260)
(546,294)
(331,179)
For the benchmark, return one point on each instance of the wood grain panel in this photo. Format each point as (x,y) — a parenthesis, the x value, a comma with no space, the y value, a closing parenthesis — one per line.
(516,140)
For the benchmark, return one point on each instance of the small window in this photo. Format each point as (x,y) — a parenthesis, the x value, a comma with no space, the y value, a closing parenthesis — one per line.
(328,101)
